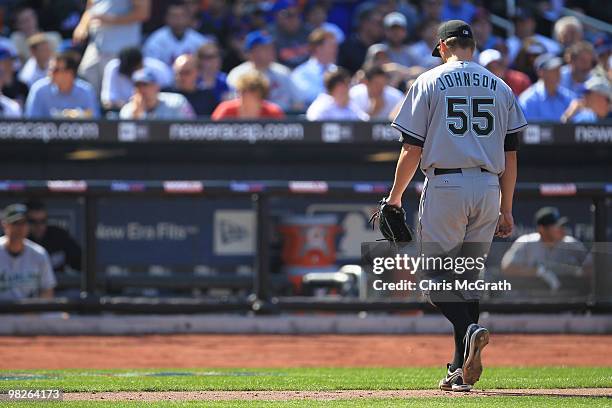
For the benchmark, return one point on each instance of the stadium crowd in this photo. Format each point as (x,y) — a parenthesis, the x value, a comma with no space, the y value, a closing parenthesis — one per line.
(135,59)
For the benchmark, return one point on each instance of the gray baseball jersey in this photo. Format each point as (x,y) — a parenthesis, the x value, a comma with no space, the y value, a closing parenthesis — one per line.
(462,113)
(25,275)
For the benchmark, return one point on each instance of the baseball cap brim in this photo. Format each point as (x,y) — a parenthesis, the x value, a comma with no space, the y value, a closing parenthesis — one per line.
(436,51)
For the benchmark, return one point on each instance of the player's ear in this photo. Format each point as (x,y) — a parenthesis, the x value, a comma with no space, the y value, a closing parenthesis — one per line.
(442,47)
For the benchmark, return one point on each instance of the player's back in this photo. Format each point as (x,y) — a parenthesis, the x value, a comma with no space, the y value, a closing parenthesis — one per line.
(466,111)
(463,86)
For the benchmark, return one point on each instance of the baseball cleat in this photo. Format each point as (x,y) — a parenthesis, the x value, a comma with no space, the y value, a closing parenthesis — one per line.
(454,381)
(476,338)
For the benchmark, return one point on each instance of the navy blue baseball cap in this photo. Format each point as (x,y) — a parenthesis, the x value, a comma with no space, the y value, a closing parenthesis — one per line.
(144,76)
(449,29)
(255,38)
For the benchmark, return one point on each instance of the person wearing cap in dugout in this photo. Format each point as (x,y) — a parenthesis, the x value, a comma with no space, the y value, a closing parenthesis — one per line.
(546,100)
(594,106)
(148,103)
(548,254)
(25,268)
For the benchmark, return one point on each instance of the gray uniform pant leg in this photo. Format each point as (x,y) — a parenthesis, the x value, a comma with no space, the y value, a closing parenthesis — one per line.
(455,209)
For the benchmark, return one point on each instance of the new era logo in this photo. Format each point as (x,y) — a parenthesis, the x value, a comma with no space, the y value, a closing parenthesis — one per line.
(466,32)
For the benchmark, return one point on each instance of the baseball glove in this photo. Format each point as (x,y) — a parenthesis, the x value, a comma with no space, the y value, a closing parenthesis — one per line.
(391,222)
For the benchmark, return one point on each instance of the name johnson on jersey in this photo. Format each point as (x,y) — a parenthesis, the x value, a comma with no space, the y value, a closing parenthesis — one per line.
(465,79)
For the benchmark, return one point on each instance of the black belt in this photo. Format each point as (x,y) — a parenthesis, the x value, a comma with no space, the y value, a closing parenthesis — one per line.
(438,172)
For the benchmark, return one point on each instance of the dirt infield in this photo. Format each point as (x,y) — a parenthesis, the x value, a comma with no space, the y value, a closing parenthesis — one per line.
(278,351)
(323,395)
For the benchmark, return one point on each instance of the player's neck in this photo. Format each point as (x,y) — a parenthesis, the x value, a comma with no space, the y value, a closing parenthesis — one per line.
(459,56)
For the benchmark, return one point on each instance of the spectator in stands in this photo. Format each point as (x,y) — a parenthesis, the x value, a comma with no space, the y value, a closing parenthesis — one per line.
(25,270)
(110,26)
(458,10)
(495,62)
(594,106)
(603,49)
(378,56)
(210,76)
(525,60)
(12,87)
(335,104)
(149,103)
(568,31)
(62,94)
(37,65)
(261,56)
(548,254)
(203,101)
(26,25)
(483,30)
(369,31)
(431,10)
(176,37)
(117,86)
(405,8)
(580,58)
(396,33)
(63,250)
(8,107)
(546,100)
(316,17)
(524,27)
(308,77)
(251,102)
(289,34)
(420,51)
(374,96)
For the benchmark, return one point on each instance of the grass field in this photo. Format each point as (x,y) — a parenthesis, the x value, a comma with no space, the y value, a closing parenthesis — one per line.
(311,379)
(519,402)
(314,379)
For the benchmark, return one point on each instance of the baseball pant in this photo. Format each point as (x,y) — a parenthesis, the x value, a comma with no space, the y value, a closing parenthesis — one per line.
(458,215)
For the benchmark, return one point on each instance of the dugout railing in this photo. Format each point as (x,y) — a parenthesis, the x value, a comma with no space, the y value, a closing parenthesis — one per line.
(262,300)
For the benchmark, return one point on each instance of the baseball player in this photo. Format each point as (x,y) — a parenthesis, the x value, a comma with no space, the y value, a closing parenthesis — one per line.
(461,123)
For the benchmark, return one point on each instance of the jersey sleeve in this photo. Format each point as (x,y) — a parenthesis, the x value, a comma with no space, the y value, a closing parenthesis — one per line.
(516,118)
(414,112)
